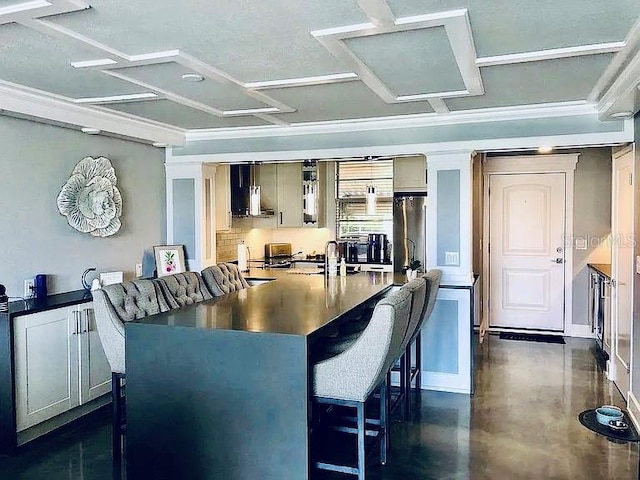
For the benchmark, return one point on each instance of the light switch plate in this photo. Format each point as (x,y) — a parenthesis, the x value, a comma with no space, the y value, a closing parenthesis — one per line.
(581,243)
(638,264)
(28,288)
(138,269)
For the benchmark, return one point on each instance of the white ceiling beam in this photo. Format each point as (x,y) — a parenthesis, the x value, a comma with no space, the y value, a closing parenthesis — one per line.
(302,81)
(187,102)
(549,110)
(378,12)
(19,12)
(34,103)
(439,106)
(550,54)
(460,36)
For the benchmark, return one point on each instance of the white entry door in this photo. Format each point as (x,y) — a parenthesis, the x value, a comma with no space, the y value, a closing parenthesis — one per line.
(622,266)
(526,251)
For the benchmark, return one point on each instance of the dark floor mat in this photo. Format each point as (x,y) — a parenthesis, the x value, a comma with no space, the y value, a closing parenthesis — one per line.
(530,337)
(588,419)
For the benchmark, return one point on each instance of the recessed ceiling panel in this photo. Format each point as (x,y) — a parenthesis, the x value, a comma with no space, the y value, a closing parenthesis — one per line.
(339,101)
(411,62)
(513,26)
(559,80)
(251,40)
(167,76)
(10,3)
(36,60)
(181,116)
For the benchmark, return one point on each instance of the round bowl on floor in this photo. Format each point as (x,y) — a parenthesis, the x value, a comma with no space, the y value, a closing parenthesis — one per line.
(618,425)
(606,413)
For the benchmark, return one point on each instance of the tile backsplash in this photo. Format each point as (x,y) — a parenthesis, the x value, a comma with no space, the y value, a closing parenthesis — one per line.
(305,240)
(226,244)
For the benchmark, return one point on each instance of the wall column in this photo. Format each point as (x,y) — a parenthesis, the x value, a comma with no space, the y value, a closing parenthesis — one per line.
(190,211)
(449,216)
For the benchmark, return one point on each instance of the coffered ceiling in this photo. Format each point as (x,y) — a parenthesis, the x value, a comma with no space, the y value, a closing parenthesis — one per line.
(283,62)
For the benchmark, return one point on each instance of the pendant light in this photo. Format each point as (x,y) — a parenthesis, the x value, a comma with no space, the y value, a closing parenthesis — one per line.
(310,198)
(370,197)
(254,193)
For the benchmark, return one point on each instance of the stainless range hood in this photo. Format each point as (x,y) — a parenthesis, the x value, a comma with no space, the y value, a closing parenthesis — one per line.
(241,179)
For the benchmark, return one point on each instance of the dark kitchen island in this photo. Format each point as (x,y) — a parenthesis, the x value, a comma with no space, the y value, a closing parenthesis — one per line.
(221,390)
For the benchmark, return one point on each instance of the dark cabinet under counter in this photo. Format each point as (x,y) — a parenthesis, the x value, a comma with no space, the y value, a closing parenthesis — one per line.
(600,309)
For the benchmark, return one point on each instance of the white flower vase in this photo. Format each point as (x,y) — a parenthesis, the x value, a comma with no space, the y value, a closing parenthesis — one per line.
(411,274)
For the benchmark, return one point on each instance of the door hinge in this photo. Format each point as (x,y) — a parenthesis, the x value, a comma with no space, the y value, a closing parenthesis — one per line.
(631,179)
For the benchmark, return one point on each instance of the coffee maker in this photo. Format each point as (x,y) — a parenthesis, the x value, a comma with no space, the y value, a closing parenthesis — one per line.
(378,249)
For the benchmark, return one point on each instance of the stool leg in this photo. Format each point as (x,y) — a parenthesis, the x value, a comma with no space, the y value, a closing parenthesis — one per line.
(407,382)
(361,439)
(418,342)
(384,427)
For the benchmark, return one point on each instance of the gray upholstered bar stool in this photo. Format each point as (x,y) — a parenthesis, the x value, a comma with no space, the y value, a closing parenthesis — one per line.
(432,278)
(223,278)
(182,289)
(113,306)
(418,289)
(349,379)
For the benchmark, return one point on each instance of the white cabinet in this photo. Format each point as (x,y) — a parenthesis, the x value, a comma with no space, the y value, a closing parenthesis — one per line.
(410,174)
(59,363)
(95,371)
(289,195)
(223,198)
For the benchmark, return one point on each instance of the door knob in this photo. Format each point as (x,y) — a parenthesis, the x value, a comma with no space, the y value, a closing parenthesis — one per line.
(557,260)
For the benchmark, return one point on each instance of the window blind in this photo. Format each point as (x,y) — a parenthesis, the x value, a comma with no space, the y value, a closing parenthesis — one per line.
(352,180)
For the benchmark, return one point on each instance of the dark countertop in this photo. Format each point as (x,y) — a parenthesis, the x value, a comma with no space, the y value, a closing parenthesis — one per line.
(292,304)
(603,268)
(51,302)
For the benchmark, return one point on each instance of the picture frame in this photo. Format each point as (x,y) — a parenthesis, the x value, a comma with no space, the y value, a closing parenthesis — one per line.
(169,259)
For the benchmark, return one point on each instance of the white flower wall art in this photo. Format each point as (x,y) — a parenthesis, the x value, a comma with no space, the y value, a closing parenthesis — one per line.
(90,199)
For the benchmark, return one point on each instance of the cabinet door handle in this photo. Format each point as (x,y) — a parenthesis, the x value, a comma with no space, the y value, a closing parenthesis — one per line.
(280,218)
(87,319)
(76,326)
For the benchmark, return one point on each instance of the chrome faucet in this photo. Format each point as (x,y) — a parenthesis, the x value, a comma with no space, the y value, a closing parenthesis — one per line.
(326,254)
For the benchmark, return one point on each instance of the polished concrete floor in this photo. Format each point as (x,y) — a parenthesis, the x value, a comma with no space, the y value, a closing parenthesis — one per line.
(521,424)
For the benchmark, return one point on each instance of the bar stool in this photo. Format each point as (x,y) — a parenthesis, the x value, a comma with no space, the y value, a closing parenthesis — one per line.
(414,336)
(182,289)
(113,306)
(223,278)
(349,379)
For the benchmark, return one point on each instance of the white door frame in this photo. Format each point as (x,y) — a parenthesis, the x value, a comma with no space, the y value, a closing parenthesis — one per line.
(612,371)
(561,163)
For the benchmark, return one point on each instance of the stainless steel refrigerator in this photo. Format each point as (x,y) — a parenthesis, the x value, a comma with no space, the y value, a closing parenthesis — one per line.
(409,230)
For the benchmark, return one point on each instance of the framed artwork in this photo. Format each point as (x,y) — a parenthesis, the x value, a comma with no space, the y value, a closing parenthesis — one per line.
(169,259)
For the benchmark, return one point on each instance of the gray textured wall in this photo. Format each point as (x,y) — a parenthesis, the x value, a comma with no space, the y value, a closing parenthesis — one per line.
(591,218)
(35,161)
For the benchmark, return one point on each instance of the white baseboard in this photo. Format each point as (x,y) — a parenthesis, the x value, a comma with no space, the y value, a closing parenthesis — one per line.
(446,382)
(633,407)
(580,331)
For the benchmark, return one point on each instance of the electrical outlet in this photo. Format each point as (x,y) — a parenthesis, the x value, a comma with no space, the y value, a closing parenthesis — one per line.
(29,287)
(138,269)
